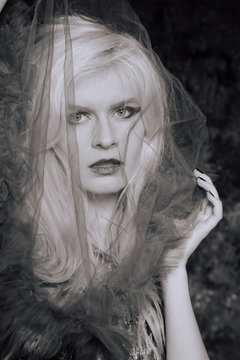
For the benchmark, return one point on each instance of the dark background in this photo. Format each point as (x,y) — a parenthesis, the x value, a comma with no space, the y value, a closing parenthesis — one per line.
(199,42)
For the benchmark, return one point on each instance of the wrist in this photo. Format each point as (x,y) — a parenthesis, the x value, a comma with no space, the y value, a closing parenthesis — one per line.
(176,279)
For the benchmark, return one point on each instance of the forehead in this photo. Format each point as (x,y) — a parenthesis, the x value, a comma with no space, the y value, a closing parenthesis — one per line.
(105,88)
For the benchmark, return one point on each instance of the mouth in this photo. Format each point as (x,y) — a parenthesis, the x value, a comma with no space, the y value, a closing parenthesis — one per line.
(106,166)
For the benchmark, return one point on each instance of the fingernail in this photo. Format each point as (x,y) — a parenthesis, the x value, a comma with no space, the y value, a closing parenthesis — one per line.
(199,170)
(211,193)
(199,177)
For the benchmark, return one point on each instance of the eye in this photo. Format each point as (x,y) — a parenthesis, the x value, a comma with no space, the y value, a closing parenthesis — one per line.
(127,112)
(78,117)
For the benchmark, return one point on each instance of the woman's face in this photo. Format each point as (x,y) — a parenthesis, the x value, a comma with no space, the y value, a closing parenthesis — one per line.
(110,133)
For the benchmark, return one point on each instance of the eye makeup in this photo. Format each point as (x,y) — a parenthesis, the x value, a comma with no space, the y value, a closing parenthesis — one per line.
(122,110)
(127,111)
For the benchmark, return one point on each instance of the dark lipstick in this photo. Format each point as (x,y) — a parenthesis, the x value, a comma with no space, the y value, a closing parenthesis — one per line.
(106,166)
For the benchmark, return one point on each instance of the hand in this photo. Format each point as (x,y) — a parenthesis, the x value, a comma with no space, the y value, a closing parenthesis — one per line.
(210,213)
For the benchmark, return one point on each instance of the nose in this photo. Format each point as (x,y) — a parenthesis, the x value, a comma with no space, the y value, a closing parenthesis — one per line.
(104,135)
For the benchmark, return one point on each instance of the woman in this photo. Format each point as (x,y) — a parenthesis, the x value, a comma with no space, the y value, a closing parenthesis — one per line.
(106,209)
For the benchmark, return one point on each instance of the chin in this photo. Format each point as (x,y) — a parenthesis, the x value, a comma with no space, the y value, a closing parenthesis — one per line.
(104,186)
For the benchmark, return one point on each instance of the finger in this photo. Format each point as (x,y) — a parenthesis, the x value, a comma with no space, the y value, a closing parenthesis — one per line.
(205,182)
(198,173)
(203,206)
(208,211)
(207,186)
(204,213)
(217,205)
(213,214)
(213,219)
(208,225)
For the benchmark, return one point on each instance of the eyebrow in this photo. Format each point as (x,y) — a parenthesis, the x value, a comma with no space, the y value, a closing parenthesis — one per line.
(113,106)
(125,102)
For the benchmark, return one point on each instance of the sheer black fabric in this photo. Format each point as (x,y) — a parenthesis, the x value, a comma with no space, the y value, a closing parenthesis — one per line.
(61,296)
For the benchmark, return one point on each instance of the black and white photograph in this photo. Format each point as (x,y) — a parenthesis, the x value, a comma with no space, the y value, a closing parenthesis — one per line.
(119,180)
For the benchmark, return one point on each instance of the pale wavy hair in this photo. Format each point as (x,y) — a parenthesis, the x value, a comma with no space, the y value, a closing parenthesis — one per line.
(57,252)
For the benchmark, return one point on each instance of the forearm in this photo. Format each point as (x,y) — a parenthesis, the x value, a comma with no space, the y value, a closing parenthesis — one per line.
(183,338)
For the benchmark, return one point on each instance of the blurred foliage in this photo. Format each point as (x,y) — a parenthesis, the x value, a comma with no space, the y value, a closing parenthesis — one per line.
(199,42)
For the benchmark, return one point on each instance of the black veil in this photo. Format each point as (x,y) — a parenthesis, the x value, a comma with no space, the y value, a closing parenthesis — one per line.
(55,299)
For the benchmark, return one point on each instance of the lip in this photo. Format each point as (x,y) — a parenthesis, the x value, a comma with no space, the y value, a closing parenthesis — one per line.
(106,166)
(106,162)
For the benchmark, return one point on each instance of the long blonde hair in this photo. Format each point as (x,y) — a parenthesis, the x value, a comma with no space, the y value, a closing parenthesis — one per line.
(57,252)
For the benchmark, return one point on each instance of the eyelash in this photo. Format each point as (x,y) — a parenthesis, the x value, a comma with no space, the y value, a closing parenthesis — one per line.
(73,117)
(132,111)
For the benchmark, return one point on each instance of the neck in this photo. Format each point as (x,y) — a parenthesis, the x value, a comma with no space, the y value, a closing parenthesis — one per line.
(100,210)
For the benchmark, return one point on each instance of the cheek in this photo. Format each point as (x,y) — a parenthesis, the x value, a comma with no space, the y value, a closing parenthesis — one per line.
(134,146)
(84,143)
